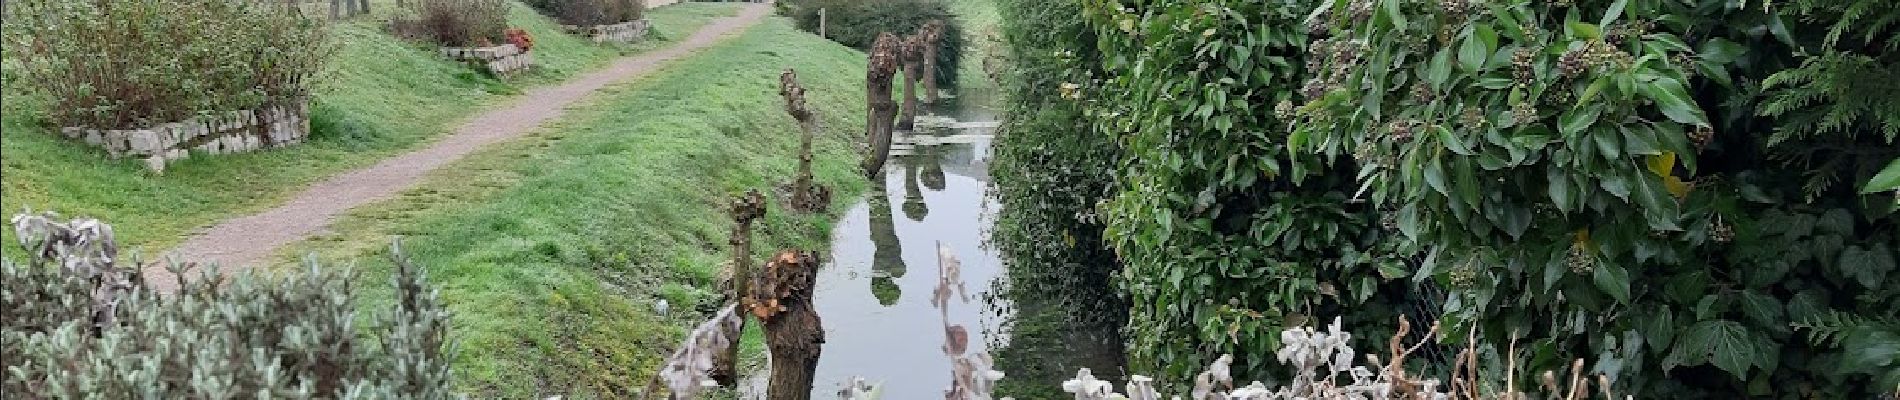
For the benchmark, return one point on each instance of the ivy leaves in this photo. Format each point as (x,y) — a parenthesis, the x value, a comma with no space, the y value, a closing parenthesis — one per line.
(1869,265)
(1726,344)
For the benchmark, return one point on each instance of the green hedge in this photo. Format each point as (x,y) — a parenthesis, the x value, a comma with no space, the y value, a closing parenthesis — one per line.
(857,23)
(1690,195)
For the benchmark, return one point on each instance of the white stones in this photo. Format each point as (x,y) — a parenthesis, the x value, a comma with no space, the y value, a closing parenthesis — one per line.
(143,141)
(625,32)
(156,164)
(220,134)
(496,59)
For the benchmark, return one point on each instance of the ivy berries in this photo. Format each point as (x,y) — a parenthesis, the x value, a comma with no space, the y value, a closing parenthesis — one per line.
(1523,63)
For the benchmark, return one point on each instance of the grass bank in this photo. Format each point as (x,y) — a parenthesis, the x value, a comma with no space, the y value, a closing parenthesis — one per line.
(982,40)
(382,96)
(552,249)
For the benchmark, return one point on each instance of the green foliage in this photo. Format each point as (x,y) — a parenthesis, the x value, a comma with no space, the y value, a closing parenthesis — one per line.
(1228,230)
(1049,168)
(591,12)
(1840,97)
(1653,185)
(289,336)
(121,64)
(857,23)
(1864,345)
(1572,151)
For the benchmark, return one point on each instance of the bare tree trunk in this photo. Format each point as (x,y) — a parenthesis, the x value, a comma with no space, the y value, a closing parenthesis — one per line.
(364,9)
(781,299)
(806,197)
(336,9)
(745,210)
(933,41)
(882,109)
(913,54)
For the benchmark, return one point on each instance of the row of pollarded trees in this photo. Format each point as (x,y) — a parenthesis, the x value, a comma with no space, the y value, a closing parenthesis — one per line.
(778,294)
(916,54)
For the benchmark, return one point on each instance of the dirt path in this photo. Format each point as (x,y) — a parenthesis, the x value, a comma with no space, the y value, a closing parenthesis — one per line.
(244,242)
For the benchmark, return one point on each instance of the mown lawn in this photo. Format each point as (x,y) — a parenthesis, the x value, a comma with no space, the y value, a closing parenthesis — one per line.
(382,96)
(551,250)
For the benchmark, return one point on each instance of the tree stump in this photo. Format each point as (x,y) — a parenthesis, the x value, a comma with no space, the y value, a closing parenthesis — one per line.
(933,42)
(744,209)
(806,195)
(781,298)
(911,54)
(881,109)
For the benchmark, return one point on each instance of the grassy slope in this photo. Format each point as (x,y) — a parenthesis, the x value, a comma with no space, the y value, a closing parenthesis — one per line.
(382,96)
(981,39)
(551,249)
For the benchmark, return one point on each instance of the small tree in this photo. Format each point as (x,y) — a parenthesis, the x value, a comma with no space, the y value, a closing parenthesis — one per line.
(877,83)
(807,196)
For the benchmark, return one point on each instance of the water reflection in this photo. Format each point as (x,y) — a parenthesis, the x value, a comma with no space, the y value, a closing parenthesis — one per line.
(914,207)
(887,255)
(886,330)
(898,342)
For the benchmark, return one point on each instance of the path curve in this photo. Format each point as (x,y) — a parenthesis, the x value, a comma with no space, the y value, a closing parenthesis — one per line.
(240,243)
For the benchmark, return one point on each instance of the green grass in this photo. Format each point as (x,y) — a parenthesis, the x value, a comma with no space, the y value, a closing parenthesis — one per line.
(551,249)
(382,96)
(981,39)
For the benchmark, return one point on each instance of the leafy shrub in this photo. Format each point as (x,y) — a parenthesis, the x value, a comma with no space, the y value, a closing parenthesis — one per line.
(1048,165)
(1675,189)
(1225,234)
(86,327)
(120,64)
(591,12)
(1600,175)
(857,23)
(457,23)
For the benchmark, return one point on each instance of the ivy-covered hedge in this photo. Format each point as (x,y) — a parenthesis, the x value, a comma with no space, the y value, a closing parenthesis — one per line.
(1669,188)
(1049,165)
(1697,196)
(857,23)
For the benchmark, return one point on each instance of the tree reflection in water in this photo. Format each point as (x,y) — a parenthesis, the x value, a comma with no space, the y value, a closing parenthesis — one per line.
(887,257)
(914,207)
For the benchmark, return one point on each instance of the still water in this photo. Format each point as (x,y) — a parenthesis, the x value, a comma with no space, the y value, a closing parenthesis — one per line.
(875,293)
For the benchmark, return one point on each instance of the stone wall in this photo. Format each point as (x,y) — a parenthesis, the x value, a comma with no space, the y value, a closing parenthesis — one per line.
(500,60)
(625,32)
(242,131)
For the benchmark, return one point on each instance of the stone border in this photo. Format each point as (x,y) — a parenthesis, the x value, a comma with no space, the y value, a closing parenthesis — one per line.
(234,132)
(625,32)
(499,60)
